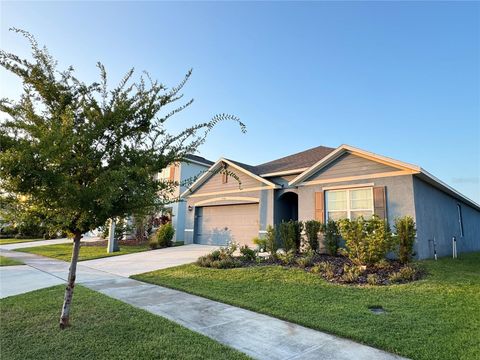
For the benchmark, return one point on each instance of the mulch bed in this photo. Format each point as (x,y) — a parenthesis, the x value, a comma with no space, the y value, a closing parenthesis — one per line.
(382,273)
(132,242)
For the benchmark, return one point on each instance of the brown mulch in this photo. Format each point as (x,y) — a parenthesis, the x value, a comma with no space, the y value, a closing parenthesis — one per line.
(339,262)
(132,242)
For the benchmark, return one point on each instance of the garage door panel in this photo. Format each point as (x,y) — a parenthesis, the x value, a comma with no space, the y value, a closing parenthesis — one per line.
(218,225)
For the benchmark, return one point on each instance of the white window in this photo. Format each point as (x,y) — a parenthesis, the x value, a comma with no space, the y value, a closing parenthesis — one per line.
(349,203)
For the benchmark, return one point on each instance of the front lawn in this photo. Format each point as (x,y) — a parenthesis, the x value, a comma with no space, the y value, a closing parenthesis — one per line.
(15,241)
(434,318)
(5,261)
(64,251)
(102,328)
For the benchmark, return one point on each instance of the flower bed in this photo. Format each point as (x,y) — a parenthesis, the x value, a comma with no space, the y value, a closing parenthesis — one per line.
(335,269)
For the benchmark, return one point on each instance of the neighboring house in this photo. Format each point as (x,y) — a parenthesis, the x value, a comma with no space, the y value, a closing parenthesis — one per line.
(192,167)
(323,183)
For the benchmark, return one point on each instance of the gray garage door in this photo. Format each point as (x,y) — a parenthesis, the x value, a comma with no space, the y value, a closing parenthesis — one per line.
(217,225)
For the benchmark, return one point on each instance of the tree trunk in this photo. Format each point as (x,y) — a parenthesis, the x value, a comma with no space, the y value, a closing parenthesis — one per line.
(65,317)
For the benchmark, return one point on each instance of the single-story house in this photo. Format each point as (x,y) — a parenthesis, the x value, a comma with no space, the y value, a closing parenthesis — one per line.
(323,183)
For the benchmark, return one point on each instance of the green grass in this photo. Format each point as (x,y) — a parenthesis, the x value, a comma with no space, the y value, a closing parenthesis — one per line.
(5,261)
(64,251)
(15,241)
(435,318)
(102,328)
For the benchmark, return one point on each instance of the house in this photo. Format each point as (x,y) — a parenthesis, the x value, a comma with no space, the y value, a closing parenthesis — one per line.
(322,183)
(192,167)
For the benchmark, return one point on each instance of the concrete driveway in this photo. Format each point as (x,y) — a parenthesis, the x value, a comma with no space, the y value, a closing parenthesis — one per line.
(131,264)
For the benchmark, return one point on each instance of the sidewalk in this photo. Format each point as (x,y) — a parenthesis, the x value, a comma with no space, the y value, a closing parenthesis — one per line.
(260,336)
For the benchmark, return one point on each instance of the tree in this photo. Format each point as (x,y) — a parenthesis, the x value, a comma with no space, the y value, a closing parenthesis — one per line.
(79,154)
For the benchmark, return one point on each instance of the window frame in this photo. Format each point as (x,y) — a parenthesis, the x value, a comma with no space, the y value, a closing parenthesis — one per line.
(348,209)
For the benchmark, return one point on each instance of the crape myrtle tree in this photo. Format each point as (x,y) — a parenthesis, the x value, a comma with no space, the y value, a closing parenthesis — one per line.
(77,154)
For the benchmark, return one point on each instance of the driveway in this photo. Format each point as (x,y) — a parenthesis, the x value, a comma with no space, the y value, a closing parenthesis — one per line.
(131,264)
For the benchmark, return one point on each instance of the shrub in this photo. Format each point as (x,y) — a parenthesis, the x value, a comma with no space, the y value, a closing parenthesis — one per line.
(351,273)
(316,269)
(270,240)
(227,263)
(383,264)
(163,236)
(312,228)
(286,258)
(408,273)
(290,233)
(326,269)
(395,277)
(230,248)
(219,259)
(261,243)
(405,274)
(9,230)
(331,237)
(306,260)
(406,232)
(367,241)
(247,253)
(152,242)
(260,259)
(372,279)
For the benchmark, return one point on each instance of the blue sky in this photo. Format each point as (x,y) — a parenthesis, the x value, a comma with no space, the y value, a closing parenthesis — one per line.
(399,79)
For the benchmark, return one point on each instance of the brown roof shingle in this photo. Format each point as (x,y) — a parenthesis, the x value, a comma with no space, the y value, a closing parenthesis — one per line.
(198,158)
(299,160)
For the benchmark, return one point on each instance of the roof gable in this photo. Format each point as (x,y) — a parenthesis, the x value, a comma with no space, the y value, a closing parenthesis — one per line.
(341,151)
(349,164)
(214,170)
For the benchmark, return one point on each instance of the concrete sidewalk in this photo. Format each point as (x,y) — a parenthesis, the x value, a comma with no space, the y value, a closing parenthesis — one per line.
(259,336)
(19,279)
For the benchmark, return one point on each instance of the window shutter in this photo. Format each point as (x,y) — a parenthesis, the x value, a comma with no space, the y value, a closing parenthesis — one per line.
(319,207)
(172,172)
(380,202)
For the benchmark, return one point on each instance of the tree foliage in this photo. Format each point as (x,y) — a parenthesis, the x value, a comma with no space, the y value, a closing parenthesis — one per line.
(76,154)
